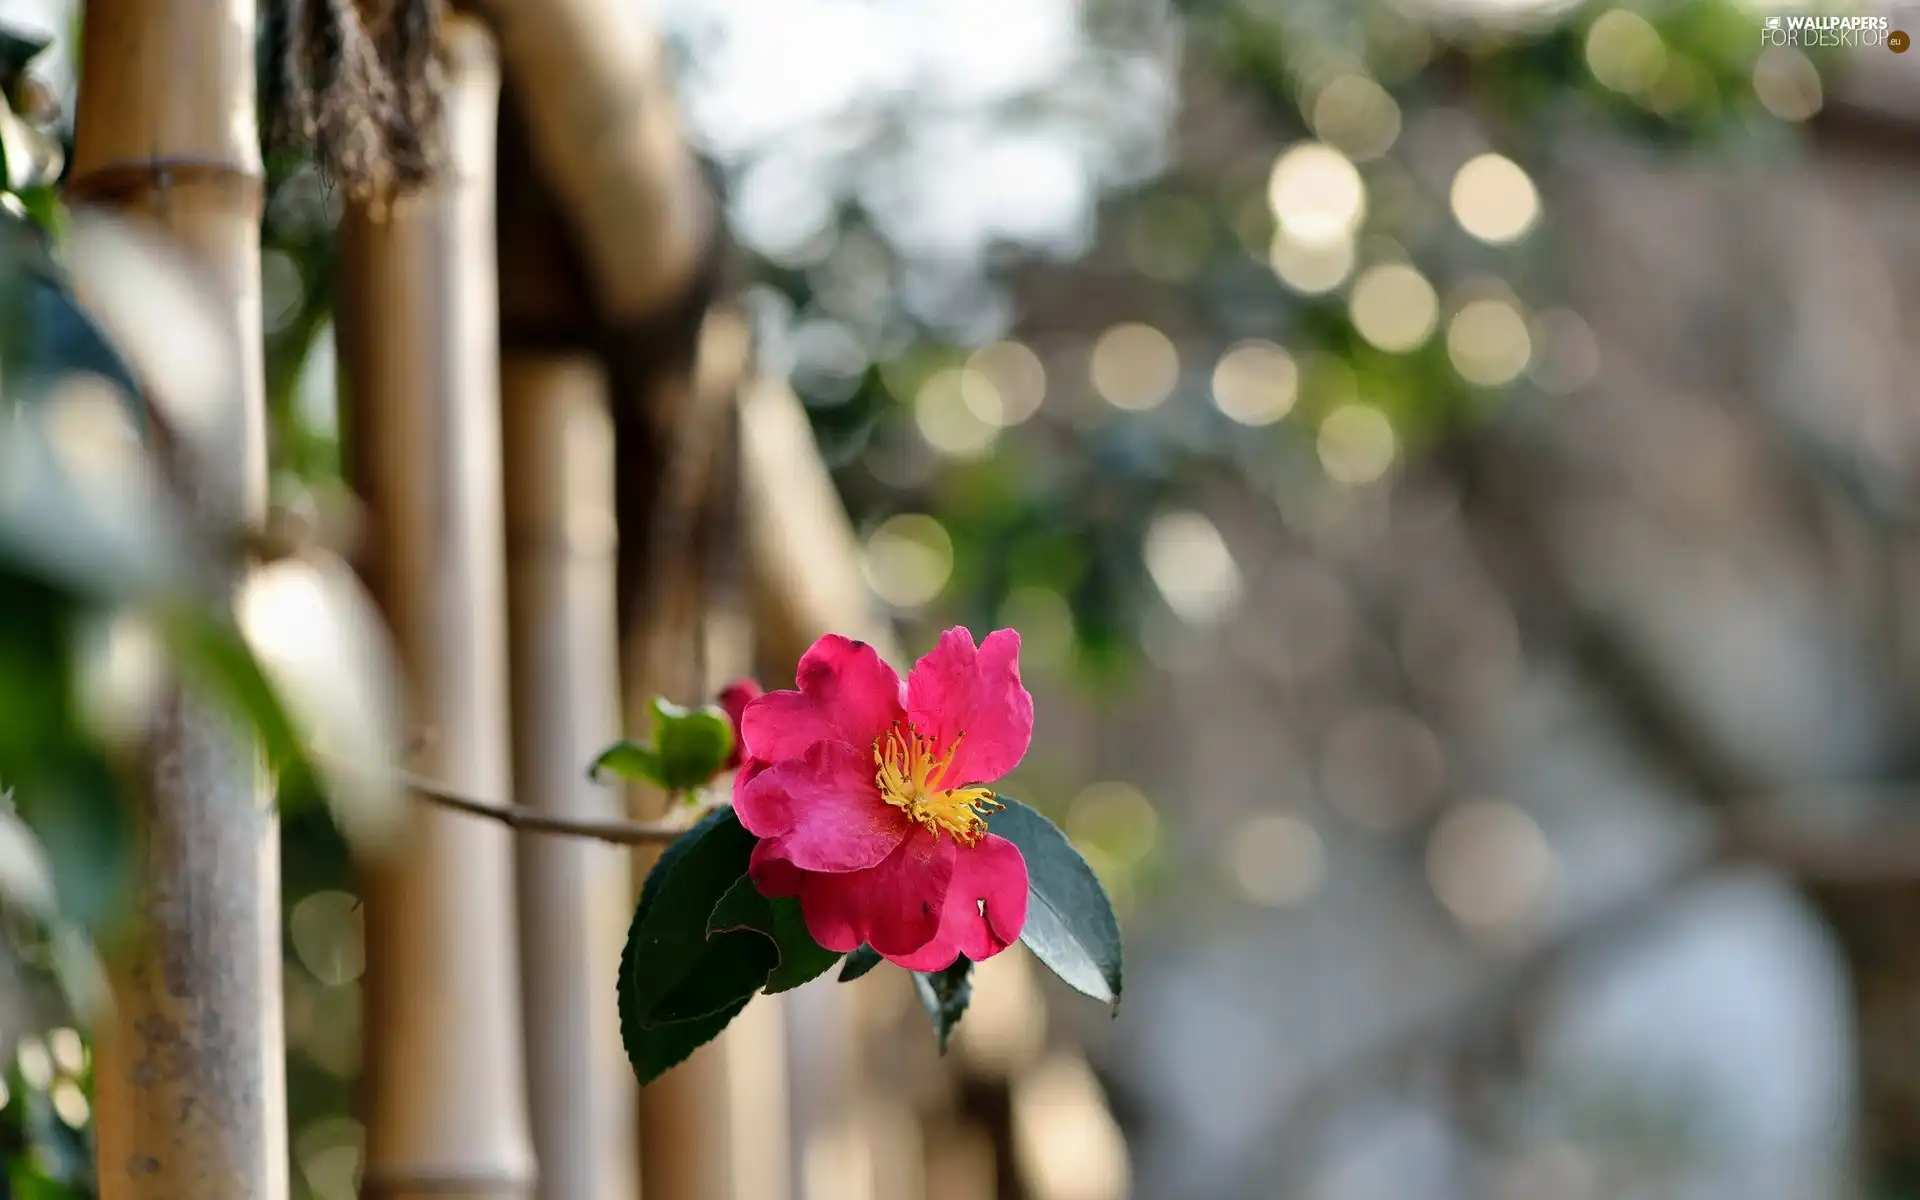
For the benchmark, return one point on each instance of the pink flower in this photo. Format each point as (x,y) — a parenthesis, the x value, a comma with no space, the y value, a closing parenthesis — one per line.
(734,699)
(868,797)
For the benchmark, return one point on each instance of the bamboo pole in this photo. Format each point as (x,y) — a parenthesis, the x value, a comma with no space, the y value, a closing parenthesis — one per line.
(803,557)
(575,896)
(589,81)
(803,568)
(190,1069)
(690,1141)
(562,542)
(589,84)
(418,335)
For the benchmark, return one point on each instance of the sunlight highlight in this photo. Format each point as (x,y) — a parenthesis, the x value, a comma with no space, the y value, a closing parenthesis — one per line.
(1312,269)
(1356,444)
(1488,342)
(1316,194)
(1255,383)
(909,559)
(1276,860)
(1394,307)
(948,411)
(1190,563)
(1356,115)
(1490,864)
(1015,378)
(1787,83)
(1625,52)
(1134,367)
(1494,199)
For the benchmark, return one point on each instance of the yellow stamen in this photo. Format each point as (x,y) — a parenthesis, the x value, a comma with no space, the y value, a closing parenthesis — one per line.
(910,777)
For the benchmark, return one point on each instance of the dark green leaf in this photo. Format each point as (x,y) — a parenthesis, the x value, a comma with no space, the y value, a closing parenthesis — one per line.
(655,1049)
(734,965)
(669,933)
(127,542)
(862,960)
(629,760)
(668,938)
(692,743)
(26,875)
(752,943)
(945,994)
(339,708)
(1070,922)
(45,209)
(778,921)
(48,334)
(18,47)
(217,655)
(663,866)
(66,340)
(74,808)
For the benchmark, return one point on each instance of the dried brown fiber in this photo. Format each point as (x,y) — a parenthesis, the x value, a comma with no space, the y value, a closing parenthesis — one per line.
(355,85)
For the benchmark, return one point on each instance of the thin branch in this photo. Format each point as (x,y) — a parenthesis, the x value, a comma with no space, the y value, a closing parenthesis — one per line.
(519,817)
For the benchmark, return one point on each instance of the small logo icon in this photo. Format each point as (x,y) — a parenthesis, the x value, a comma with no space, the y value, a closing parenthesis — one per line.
(1898,41)
(1773,22)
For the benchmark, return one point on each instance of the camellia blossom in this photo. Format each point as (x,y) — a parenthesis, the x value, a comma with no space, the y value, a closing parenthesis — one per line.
(734,699)
(870,797)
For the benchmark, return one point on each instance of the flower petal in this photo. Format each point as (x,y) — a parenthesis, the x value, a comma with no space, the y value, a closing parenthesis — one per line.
(750,769)
(959,689)
(985,911)
(773,875)
(987,903)
(734,699)
(823,812)
(894,907)
(936,955)
(832,910)
(846,694)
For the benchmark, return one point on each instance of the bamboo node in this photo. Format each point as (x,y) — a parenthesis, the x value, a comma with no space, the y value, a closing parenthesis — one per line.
(117,182)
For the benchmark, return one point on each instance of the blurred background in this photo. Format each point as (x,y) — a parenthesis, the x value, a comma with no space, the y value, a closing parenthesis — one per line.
(1455,468)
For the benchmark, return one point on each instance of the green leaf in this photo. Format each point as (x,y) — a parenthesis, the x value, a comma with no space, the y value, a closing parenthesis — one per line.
(1070,923)
(215,652)
(945,994)
(752,943)
(26,873)
(18,47)
(117,540)
(65,339)
(664,866)
(693,743)
(669,933)
(668,939)
(656,1049)
(628,760)
(779,922)
(862,960)
(46,210)
(74,810)
(734,965)
(335,684)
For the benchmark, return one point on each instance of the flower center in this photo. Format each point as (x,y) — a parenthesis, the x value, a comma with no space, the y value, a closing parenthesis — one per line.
(910,777)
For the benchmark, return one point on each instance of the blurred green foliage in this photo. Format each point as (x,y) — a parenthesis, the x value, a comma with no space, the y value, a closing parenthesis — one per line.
(1063,502)
(1047,520)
